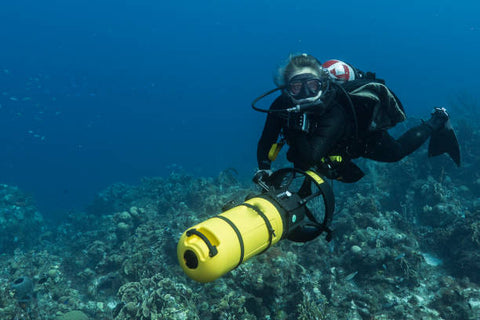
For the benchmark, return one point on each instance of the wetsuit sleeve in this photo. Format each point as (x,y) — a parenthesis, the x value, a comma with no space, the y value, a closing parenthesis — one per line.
(271,131)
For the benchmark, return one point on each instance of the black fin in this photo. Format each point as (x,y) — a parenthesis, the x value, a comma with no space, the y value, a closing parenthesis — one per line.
(444,140)
(350,172)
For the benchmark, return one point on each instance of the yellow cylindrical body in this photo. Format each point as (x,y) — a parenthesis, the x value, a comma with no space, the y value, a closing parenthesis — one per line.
(227,232)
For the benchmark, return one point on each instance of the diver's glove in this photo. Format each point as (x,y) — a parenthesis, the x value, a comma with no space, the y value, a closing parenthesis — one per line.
(438,119)
(261,175)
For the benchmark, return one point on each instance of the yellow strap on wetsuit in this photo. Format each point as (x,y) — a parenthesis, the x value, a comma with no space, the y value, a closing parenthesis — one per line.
(274,150)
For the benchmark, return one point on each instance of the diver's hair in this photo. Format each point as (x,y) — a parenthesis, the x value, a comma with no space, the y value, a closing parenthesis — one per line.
(295,62)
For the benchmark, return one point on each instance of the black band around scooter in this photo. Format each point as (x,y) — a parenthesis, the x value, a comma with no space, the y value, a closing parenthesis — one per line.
(239,236)
(270,230)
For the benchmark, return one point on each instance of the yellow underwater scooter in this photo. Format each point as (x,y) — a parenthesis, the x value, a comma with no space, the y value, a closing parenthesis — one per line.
(287,208)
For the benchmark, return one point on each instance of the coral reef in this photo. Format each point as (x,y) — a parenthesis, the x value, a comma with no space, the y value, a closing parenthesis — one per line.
(405,246)
(20,223)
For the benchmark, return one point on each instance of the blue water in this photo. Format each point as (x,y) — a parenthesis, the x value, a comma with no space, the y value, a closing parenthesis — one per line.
(98,92)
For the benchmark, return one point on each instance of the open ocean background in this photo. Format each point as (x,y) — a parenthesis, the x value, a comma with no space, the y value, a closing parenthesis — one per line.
(98,92)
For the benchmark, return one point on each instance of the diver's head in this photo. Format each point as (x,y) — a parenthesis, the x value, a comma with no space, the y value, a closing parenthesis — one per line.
(303,79)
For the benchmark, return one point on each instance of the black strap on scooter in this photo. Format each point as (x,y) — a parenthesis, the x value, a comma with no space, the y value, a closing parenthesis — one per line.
(270,230)
(211,248)
(239,236)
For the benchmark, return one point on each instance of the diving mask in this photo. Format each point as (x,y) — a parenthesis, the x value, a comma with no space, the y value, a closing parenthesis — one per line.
(305,88)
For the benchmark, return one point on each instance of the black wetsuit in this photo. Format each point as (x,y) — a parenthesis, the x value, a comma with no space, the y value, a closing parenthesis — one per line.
(335,130)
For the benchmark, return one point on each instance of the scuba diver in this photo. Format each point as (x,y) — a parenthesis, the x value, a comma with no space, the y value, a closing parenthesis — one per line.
(332,113)
(328,115)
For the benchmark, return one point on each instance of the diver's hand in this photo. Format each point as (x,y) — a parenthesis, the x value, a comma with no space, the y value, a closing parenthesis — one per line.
(261,175)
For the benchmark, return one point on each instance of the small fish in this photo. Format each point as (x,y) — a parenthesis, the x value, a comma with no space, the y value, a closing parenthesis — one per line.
(351,276)
(400,256)
(389,305)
